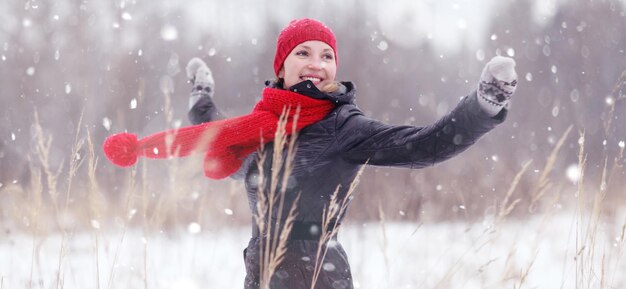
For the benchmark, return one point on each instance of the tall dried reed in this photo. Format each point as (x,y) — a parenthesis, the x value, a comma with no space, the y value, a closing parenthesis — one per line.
(330,223)
(270,204)
(544,183)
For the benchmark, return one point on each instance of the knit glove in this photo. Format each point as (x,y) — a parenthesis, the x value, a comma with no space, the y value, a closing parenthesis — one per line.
(201,79)
(498,82)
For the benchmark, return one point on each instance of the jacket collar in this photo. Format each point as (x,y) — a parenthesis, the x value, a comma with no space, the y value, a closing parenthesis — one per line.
(344,95)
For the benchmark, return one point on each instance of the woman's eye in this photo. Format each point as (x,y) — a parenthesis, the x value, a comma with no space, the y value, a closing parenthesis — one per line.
(328,56)
(302,53)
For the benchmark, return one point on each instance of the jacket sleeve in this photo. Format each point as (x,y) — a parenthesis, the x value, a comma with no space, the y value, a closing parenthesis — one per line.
(362,139)
(204,109)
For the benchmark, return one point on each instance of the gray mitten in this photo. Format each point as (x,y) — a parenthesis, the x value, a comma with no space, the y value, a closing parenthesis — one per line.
(201,78)
(498,82)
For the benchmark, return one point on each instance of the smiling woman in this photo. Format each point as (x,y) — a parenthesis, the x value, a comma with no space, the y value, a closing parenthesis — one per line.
(307,50)
(334,141)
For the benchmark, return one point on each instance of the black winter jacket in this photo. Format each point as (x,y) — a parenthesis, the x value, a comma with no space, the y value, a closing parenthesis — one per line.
(329,154)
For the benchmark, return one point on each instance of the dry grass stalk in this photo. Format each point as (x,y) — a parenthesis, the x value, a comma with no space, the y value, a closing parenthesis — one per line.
(587,224)
(330,217)
(607,177)
(36,192)
(274,236)
(544,181)
(616,89)
(62,252)
(75,159)
(524,273)
(42,149)
(166,203)
(617,256)
(581,242)
(96,254)
(383,242)
(95,201)
(94,197)
(129,199)
(506,207)
(609,128)
(145,225)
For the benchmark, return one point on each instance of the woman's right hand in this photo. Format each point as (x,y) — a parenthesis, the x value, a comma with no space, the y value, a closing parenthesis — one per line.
(201,79)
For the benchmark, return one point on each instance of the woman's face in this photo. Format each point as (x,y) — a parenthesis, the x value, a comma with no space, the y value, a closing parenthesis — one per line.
(311,60)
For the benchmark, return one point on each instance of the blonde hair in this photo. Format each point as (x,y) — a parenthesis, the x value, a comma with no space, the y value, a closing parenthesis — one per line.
(331,87)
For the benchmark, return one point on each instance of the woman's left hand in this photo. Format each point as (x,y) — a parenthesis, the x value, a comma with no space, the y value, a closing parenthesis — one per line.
(498,82)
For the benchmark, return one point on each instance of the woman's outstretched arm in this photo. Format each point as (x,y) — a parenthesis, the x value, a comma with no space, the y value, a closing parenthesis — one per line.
(362,139)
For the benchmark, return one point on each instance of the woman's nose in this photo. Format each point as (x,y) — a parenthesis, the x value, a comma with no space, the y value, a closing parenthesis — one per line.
(315,63)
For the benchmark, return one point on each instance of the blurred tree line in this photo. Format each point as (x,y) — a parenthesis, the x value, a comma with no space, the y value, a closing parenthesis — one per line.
(121,66)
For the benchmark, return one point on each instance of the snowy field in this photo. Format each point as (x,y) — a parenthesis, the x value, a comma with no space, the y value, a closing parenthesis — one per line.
(542,252)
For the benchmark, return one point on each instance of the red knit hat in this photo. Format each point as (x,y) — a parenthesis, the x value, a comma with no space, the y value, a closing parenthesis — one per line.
(298,31)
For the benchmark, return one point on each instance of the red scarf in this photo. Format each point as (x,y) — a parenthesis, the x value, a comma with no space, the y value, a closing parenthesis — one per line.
(226,142)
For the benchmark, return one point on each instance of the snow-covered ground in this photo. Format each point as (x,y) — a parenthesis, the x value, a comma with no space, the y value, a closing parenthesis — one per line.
(552,250)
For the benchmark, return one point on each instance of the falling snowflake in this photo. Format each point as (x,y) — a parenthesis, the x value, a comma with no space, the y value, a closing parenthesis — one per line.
(194,228)
(529,77)
(328,266)
(480,55)
(26,22)
(106,122)
(169,33)
(510,52)
(131,213)
(382,45)
(573,173)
